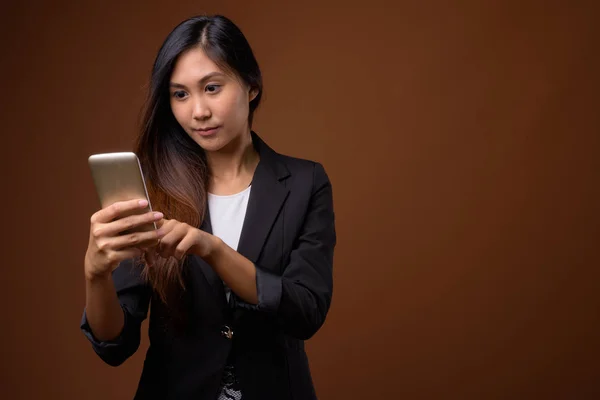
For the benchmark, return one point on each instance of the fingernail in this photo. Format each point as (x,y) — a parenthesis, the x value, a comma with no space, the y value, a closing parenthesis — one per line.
(158,215)
(143,203)
(160,232)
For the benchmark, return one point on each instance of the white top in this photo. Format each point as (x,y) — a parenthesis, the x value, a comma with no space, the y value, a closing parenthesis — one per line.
(227,215)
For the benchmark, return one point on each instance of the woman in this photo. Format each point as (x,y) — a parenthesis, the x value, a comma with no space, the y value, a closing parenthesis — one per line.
(239,272)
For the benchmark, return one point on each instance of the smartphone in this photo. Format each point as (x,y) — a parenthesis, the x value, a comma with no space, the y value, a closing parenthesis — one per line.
(119,177)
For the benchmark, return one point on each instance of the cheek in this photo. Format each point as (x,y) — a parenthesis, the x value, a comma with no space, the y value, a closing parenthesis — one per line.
(238,110)
(178,112)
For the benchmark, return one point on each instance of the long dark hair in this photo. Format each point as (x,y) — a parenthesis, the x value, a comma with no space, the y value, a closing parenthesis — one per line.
(174,165)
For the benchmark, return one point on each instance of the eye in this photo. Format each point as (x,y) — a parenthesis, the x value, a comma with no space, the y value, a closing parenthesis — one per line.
(213,88)
(179,95)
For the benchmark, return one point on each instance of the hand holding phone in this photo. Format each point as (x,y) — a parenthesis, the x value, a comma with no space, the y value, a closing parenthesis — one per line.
(108,246)
(126,224)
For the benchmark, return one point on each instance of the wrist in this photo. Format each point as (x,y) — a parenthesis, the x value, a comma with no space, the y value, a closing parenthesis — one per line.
(215,247)
(93,276)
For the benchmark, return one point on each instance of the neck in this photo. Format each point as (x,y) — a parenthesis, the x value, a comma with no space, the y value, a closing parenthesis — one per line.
(237,159)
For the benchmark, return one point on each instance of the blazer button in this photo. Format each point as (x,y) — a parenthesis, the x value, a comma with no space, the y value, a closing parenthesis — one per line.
(227,332)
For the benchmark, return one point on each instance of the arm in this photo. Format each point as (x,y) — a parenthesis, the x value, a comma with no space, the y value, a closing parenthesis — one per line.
(300,298)
(103,310)
(115,309)
(234,269)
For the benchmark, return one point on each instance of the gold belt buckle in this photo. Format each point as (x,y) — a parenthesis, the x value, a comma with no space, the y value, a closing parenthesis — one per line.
(227,332)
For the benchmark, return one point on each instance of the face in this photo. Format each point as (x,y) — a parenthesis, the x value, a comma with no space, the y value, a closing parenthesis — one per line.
(210,104)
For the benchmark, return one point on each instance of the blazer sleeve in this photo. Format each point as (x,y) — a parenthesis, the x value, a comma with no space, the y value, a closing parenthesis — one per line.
(134,296)
(301,296)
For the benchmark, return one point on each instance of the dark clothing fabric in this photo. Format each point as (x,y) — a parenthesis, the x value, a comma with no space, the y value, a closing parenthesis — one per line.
(289,234)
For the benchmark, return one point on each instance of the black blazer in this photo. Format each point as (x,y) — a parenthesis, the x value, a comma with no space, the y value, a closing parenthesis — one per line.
(289,234)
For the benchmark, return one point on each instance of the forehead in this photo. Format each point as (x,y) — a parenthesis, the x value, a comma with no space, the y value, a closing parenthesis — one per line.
(193,65)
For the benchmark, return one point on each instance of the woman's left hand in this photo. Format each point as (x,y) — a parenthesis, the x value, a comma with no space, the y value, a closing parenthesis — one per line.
(181,239)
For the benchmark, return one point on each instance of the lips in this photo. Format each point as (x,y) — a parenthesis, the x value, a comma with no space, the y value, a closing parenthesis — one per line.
(206,131)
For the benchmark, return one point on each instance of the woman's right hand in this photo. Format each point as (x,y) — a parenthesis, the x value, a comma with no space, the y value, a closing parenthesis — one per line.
(107,247)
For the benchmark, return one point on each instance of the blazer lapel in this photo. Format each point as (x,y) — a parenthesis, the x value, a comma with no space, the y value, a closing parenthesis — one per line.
(266,200)
(267,197)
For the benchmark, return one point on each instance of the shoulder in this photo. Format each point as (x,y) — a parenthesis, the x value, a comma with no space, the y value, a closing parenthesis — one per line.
(297,171)
(295,164)
(304,170)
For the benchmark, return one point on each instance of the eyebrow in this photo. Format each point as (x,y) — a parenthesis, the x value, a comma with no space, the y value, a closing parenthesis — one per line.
(204,79)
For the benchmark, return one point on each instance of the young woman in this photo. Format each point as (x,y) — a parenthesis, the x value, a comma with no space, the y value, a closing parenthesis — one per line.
(239,272)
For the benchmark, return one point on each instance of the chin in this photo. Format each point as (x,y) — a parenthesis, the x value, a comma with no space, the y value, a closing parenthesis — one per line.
(217,142)
(210,144)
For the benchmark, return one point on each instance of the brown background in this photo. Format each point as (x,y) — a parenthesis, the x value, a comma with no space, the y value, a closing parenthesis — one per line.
(462,140)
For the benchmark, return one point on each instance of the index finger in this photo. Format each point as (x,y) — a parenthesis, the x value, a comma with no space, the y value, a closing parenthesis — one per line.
(117,209)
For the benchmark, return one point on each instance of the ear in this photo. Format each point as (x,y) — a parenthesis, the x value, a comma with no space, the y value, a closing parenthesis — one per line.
(253,92)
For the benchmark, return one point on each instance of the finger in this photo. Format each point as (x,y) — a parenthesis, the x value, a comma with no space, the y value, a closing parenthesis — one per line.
(128,223)
(184,246)
(167,225)
(168,243)
(136,239)
(117,209)
(146,245)
(116,257)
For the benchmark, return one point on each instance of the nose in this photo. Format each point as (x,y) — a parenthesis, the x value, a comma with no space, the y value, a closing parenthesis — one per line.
(201,111)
